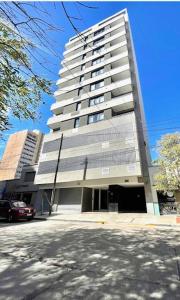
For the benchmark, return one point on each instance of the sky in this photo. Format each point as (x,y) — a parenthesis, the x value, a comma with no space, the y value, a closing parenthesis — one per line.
(156,35)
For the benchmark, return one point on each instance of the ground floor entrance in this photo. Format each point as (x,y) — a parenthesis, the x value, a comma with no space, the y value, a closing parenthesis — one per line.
(118,198)
(112,198)
(100,200)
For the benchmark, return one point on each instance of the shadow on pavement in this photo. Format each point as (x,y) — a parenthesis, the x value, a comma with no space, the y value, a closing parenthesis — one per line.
(5,223)
(90,263)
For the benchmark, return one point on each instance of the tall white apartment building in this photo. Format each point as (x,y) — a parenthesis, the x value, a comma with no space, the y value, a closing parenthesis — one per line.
(98,130)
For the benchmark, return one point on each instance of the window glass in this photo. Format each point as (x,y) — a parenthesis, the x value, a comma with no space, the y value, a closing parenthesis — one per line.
(98,50)
(98,72)
(81,78)
(56,129)
(84,56)
(80,91)
(96,100)
(98,60)
(19,204)
(76,123)
(99,31)
(96,117)
(96,42)
(78,106)
(82,67)
(97,85)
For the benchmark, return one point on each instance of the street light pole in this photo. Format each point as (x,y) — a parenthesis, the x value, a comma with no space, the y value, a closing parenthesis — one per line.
(55,177)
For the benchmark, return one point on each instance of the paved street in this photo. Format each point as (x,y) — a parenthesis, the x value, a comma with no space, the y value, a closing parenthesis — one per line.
(58,259)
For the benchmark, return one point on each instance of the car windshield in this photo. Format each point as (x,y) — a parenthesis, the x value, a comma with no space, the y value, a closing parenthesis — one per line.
(19,204)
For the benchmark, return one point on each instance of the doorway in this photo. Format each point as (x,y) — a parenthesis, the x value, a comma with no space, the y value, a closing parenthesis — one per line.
(100,200)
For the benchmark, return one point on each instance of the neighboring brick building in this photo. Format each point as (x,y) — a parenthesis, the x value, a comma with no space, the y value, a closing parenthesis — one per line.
(22,149)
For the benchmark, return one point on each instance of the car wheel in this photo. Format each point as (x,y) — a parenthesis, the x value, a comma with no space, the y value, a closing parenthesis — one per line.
(30,219)
(10,218)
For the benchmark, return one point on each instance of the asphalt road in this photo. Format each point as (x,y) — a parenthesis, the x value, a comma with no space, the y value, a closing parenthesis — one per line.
(88,260)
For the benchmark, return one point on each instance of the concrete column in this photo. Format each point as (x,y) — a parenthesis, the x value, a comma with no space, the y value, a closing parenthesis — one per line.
(107,96)
(87,76)
(107,45)
(107,81)
(85,103)
(67,125)
(108,114)
(88,64)
(107,56)
(152,204)
(86,88)
(69,108)
(83,120)
(107,68)
(108,35)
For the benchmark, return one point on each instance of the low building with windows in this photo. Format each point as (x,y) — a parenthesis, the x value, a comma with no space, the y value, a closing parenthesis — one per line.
(96,154)
(24,189)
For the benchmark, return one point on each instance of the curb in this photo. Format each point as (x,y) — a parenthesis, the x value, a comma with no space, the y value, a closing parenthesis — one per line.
(40,219)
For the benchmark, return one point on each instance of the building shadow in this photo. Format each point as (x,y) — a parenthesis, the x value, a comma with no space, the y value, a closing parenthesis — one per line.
(89,263)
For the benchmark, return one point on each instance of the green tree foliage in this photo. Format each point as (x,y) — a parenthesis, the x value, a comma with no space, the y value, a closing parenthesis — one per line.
(168,177)
(24,40)
(20,87)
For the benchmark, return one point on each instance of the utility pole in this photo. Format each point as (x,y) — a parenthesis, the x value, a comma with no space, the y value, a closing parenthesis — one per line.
(55,177)
(85,168)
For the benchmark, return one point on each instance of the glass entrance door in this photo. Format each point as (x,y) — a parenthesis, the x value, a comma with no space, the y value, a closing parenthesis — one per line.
(100,200)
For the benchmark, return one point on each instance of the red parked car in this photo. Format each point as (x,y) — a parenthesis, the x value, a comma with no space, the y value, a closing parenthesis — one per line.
(15,210)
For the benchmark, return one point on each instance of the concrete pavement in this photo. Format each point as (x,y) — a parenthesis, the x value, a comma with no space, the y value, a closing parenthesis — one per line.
(115,218)
(69,260)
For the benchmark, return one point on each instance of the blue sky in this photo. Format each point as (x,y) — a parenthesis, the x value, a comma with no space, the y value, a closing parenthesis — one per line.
(156,34)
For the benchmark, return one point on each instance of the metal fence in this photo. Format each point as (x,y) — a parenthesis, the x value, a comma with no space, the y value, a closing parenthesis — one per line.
(169,208)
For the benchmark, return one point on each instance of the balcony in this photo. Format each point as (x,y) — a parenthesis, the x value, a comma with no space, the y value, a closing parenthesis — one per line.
(118,104)
(111,39)
(72,45)
(117,70)
(122,99)
(114,50)
(63,102)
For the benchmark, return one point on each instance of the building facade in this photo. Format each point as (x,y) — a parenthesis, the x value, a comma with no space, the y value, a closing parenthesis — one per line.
(96,154)
(23,148)
(24,189)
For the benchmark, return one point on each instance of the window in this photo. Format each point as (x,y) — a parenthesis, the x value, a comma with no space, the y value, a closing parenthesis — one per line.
(56,129)
(84,56)
(97,85)
(98,60)
(98,50)
(95,118)
(29,176)
(81,79)
(97,72)
(99,31)
(80,91)
(4,204)
(96,42)
(76,123)
(85,46)
(82,67)
(78,106)
(96,100)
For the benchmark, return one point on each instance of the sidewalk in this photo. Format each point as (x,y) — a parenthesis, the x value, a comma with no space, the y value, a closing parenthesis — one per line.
(114,218)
